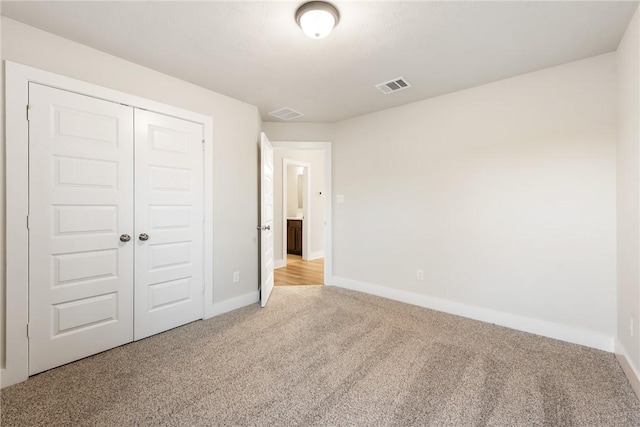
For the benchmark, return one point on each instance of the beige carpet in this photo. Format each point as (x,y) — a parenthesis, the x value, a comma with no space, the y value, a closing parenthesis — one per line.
(325,356)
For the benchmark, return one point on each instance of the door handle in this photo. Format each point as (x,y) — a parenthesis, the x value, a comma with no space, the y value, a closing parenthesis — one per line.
(143,237)
(125,238)
(264,227)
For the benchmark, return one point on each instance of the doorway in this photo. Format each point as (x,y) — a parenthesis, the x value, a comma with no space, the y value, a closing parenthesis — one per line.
(300,215)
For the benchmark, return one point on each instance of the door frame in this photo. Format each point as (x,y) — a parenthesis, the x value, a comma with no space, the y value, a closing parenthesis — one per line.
(328,215)
(306,208)
(16,304)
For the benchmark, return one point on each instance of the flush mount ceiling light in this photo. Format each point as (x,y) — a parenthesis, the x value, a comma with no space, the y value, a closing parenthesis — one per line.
(317,19)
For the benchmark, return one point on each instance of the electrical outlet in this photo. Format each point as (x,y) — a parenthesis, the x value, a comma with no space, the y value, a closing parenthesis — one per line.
(420,275)
(236,276)
(631,326)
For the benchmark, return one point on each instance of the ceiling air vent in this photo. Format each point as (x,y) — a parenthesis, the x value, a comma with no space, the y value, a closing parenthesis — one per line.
(286,114)
(394,85)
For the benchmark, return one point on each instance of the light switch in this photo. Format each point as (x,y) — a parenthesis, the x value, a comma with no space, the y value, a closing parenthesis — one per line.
(340,198)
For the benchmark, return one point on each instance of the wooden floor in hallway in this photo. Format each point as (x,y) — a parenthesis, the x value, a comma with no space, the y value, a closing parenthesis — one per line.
(299,272)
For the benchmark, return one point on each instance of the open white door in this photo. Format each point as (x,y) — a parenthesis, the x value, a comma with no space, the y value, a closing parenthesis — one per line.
(266,218)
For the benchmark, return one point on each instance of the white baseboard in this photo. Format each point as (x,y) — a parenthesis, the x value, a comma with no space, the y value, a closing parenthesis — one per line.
(628,367)
(279,263)
(540,327)
(316,255)
(233,304)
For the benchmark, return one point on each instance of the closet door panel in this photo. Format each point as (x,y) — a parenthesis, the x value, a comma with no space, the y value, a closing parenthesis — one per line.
(80,203)
(169,223)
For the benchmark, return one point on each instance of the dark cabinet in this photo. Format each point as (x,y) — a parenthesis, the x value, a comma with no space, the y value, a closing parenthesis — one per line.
(294,236)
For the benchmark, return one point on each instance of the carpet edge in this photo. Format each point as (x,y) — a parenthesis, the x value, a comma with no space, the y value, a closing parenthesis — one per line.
(544,328)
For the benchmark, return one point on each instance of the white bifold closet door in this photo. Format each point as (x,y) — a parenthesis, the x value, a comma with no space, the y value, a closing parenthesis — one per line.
(115,225)
(169,210)
(80,202)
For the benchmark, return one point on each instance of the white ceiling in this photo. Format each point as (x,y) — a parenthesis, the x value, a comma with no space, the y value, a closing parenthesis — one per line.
(254,51)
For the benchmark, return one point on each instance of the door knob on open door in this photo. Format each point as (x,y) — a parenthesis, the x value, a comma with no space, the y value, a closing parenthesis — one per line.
(143,237)
(125,238)
(264,227)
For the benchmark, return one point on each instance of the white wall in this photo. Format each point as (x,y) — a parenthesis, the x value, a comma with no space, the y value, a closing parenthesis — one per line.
(629,192)
(503,194)
(314,132)
(236,126)
(292,192)
(317,170)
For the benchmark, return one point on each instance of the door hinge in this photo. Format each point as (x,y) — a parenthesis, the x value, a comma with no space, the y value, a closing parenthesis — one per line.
(28,225)
(203,145)
(28,109)
(28,330)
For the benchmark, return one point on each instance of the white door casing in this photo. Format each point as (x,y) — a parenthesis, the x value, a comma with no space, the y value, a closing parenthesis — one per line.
(266,219)
(169,210)
(80,203)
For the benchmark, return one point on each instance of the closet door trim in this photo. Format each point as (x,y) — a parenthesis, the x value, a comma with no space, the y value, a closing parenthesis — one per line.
(15,344)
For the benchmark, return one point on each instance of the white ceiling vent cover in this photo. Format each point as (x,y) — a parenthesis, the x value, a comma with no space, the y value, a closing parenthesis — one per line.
(286,114)
(395,85)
